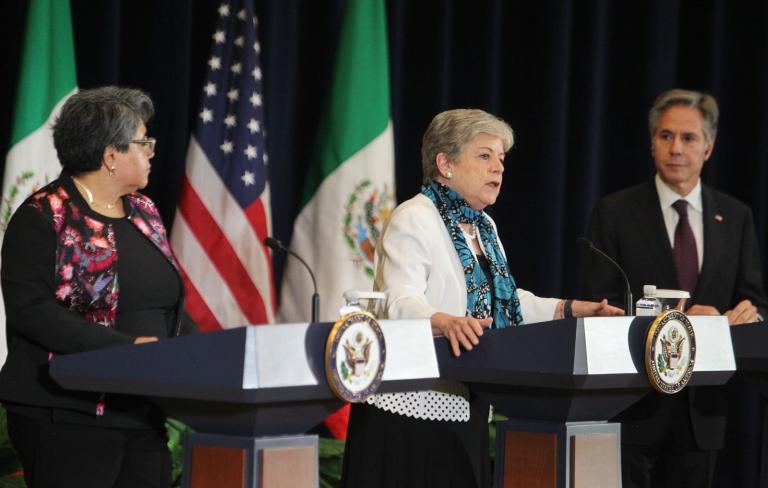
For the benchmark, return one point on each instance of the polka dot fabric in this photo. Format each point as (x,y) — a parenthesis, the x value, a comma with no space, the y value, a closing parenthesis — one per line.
(427,405)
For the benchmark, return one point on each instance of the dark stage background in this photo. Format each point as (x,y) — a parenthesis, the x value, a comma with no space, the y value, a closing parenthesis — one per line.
(573,78)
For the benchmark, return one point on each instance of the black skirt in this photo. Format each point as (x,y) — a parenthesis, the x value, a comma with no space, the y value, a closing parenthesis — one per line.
(389,450)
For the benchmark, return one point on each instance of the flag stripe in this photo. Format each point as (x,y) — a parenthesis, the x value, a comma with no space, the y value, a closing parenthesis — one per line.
(358,108)
(351,178)
(260,220)
(205,278)
(47,65)
(244,230)
(46,79)
(223,215)
(221,253)
(197,308)
(349,191)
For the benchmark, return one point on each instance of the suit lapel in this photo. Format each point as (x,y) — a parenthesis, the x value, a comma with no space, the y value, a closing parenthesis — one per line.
(715,236)
(647,215)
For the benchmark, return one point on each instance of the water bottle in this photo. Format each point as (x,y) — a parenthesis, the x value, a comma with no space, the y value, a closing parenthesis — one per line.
(649,305)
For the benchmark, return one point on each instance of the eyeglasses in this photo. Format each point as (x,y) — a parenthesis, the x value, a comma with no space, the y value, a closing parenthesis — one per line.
(147,142)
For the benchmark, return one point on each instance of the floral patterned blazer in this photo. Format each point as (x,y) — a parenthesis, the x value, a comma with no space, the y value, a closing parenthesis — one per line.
(61,289)
(86,252)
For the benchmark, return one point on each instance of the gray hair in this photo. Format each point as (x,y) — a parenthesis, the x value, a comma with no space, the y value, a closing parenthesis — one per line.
(91,120)
(451,130)
(705,103)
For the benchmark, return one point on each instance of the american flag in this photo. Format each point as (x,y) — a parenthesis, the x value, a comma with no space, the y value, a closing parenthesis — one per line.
(223,214)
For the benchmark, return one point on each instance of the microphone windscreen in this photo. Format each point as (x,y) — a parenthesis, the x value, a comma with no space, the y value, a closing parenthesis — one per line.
(272,243)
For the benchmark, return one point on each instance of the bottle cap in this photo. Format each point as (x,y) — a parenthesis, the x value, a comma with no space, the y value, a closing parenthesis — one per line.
(649,290)
(663,293)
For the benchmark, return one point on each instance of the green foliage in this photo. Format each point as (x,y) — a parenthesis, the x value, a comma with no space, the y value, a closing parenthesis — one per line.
(10,468)
(661,363)
(331,457)
(497,417)
(8,462)
(176,430)
(12,482)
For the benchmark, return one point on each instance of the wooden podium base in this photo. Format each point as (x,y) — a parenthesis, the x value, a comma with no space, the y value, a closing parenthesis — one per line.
(558,455)
(250,462)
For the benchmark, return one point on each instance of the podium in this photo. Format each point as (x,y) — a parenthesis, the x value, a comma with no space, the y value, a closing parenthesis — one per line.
(749,342)
(249,393)
(749,347)
(559,382)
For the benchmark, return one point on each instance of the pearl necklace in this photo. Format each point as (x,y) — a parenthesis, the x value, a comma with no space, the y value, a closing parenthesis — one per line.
(472,235)
(89,194)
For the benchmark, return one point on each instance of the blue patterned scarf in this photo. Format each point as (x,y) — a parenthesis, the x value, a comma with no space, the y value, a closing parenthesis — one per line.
(506,305)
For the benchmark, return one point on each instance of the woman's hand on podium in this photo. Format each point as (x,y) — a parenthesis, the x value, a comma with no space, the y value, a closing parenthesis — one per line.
(460,331)
(595,309)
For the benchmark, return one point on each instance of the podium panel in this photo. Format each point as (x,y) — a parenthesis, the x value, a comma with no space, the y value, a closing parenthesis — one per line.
(538,454)
(749,347)
(255,380)
(567,378)
(253,388)
(586,369)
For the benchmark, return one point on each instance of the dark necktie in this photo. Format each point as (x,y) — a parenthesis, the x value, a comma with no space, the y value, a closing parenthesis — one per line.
(686,256)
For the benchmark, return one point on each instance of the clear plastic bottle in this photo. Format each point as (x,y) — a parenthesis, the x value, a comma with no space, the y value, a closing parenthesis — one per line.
(649,305)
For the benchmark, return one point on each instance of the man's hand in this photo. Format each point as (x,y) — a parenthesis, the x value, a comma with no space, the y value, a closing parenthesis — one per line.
(591,309)
(702,310)
(743,313)
(459,330)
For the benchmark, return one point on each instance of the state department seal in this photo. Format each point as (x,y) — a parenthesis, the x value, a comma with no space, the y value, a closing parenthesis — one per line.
(355,354)
(670,352)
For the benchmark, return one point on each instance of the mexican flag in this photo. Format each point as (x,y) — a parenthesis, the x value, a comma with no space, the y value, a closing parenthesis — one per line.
(349,190)
(46,78)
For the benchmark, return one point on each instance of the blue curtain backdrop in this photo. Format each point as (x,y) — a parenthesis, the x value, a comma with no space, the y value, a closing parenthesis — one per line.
(574,79)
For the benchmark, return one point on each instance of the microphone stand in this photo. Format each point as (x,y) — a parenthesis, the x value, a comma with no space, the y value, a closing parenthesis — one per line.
(628,302)
(276,245)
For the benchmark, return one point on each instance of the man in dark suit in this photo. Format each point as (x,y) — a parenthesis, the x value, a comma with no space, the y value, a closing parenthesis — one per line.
(675,232)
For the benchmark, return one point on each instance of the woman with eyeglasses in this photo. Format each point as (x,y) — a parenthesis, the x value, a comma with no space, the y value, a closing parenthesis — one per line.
(86,264)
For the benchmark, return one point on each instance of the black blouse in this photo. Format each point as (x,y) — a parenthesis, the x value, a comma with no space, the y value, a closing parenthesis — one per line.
(149,293)
(149,286)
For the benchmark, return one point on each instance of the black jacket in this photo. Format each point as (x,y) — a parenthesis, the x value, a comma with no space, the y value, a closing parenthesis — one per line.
(37,323)
(629,226)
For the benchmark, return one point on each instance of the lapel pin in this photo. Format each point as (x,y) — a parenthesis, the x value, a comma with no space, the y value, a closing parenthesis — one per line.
(718,217)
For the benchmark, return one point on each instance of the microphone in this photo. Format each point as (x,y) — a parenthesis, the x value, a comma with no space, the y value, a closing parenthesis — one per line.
(276,245)
(628,303)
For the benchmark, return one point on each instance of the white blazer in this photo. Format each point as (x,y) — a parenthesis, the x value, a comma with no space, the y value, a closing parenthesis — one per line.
(419,268)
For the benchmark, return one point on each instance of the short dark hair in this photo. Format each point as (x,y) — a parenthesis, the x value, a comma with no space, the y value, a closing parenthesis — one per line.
(91,120)
(703,102)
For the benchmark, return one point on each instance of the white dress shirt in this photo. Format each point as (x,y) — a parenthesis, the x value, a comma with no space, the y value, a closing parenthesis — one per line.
(667,197)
